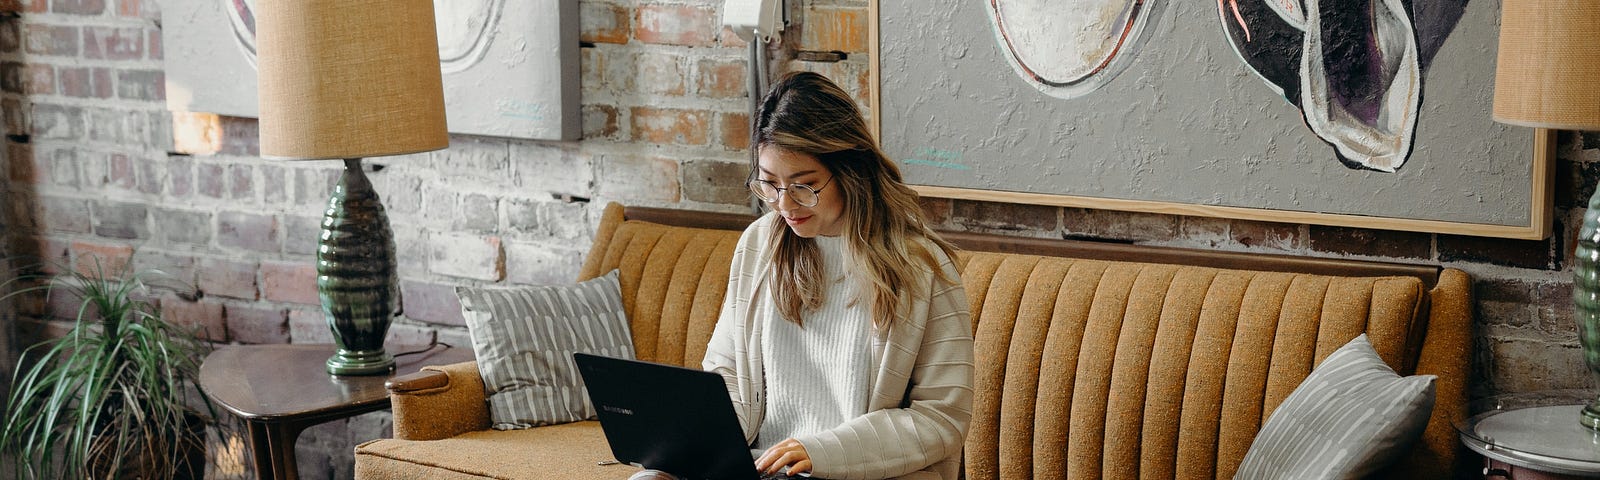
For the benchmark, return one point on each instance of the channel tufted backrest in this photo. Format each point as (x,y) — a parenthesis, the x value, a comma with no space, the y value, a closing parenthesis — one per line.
(1091,369)
(673,280)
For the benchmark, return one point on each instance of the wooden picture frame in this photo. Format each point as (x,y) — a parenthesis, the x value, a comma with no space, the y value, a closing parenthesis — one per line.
(1539,161)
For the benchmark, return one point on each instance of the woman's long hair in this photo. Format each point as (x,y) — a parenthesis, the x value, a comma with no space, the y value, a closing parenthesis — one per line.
(883,220)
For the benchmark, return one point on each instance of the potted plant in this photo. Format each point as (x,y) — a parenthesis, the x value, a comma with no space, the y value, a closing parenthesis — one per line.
(112,397)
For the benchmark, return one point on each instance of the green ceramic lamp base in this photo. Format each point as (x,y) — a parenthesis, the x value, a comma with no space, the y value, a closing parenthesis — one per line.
(1586,297)
(356,275)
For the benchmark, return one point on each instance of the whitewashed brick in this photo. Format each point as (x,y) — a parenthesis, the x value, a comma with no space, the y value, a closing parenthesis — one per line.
(466,256)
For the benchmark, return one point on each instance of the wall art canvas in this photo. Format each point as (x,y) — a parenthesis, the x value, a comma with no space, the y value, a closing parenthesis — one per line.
(510,67)
(1369,113)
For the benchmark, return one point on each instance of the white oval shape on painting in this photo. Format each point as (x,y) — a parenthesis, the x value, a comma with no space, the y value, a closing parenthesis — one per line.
(465,28)
(1068,48)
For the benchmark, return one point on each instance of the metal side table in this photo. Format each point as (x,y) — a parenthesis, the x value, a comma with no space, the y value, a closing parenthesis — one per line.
(1533,436)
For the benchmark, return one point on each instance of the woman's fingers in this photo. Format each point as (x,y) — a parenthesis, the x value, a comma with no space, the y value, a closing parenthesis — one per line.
(788,453)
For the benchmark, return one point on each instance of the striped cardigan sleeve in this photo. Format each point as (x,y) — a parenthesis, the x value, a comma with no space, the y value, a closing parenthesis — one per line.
(729,352)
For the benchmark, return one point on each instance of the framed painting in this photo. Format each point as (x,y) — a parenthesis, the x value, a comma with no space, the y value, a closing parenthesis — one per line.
(1372,113)
(510,68)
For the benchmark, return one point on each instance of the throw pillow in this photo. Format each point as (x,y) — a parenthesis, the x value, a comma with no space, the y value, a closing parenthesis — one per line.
(524,338)
(1351,417)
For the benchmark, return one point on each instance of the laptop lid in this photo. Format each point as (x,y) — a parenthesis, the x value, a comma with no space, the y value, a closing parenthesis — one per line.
(668,418)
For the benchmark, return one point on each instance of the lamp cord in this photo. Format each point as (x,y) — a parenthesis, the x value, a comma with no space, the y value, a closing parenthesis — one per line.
(432,344)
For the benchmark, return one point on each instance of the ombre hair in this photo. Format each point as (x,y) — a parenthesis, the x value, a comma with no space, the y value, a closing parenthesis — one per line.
(882,219)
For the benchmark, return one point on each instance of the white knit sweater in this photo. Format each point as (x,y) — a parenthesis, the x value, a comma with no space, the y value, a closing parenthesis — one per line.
(920,402)
(817,373)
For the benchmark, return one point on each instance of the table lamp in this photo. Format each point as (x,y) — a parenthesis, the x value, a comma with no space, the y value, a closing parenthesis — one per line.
(347,79)
(1548,76)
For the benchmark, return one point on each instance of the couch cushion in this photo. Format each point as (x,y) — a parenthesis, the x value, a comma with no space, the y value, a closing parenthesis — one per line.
(566,452)
(524,338)
(1092,368)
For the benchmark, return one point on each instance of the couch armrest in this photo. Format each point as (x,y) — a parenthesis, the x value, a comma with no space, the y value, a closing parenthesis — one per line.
(439,402)
(1446,353)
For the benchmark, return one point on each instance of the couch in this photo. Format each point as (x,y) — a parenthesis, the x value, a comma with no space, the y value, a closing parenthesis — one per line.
(1095,360)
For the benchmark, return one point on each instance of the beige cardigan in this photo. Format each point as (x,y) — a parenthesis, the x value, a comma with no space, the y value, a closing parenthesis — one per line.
(920,404)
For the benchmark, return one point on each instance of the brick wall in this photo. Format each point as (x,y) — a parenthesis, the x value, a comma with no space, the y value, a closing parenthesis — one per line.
(92,171)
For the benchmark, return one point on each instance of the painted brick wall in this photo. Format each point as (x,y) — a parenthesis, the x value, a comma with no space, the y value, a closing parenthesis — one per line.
(92,172)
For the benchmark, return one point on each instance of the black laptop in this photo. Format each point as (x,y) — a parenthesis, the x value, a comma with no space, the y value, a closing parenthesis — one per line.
(673,419)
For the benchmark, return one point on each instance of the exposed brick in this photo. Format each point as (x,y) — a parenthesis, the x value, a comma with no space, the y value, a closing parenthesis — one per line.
(289,282)
(258,325)
(180,170)
(147,85)
(77,82)
(149,9)
(1114,225)
(172,272)
(274,185)
(467,256)
(10,32)
(479,213)
(107,126)
(721,78)
(670,125)
(689,25)
(301,234)
(1374,243)
(57,122)
(439,203)
(211,181)
(475,157)
(308,325)
(431,302)
(228,278)
(241,182)
(599,121)
(121,220)
(64,215)
(831,28)
(1538,254)
(1203,231)
(567,221)
(248,231)
(91,259)
(203,317)
(79,7)
(153,44)
(661,74)
(39,79)
(542,264)
(113,43)
(558,169)
(604,23)
(626,177)
(241,136)
(730,39)
(1276,236)
(42,39)
(15,117)
(103,86)
(734,131)
(11,77)
(713,181)
(151,175)
(182,226)
(1006,216)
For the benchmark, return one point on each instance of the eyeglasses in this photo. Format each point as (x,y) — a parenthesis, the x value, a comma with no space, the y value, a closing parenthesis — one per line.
(801,193)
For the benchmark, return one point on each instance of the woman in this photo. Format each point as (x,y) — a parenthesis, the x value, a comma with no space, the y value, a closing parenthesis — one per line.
(845,338)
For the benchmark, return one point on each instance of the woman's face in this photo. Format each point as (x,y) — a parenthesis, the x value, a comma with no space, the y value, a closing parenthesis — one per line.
(785,169)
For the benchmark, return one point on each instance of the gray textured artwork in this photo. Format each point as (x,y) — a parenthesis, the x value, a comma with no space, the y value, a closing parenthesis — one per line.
(1189,119)
(508,72)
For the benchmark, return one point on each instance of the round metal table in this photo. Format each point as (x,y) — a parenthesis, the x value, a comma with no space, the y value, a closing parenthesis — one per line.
(1538,432)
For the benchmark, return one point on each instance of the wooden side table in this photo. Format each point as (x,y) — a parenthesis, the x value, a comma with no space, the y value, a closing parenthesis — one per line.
(1530,436)
(280,390)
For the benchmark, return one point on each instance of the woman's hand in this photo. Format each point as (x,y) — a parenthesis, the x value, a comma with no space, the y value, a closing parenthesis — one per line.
(788,453)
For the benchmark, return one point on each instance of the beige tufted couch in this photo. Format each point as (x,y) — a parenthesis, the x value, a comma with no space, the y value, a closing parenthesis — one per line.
(1094,360)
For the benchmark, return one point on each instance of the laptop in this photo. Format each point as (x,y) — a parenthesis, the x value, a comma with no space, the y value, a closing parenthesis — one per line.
(673,419)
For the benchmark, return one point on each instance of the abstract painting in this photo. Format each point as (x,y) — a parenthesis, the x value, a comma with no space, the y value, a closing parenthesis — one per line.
(1368,113)
(507,72)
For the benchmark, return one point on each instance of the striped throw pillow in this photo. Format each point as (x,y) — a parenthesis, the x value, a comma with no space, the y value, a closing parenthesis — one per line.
(524,338)
(1351,417)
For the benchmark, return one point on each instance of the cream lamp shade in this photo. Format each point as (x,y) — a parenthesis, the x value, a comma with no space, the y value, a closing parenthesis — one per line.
(349,79)
(1548,74)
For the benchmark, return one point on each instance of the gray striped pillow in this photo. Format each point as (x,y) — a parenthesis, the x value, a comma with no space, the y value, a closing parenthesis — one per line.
(1351,417)
(524,338)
